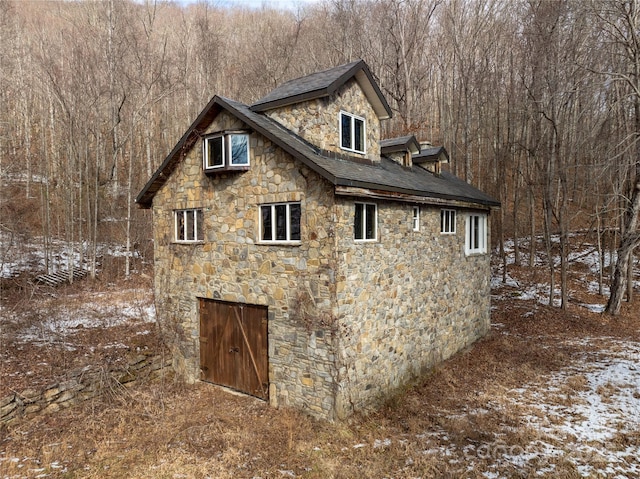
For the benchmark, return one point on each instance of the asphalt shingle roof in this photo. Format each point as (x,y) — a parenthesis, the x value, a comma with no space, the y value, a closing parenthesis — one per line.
(324,83)
(383,176)
(401,143)
(319,83)
(430,153)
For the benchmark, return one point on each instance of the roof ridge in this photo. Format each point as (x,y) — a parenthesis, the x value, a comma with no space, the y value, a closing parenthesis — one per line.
(325,83)
(304,87)
(319,73)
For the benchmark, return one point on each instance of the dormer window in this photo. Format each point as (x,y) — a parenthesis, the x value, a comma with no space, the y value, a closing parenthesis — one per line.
(352,132)
(226,151)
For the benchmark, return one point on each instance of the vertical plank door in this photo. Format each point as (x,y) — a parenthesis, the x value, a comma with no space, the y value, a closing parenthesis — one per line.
(234,347)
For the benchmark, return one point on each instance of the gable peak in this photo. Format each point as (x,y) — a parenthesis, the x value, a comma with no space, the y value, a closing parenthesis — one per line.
(324,83)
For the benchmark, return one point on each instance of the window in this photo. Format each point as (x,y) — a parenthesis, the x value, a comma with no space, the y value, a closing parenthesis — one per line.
(214,152)
(476,234)
(352,133)
(448,222)
(188,226)
(365,222)
(416,218)
(280,222)
(239,149)
(227,150)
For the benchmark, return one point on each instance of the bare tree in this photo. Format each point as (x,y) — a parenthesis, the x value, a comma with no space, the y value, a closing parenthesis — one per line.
(620,21)
(96,93)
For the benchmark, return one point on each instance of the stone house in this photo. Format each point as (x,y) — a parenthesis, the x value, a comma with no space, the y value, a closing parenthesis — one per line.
(302,259)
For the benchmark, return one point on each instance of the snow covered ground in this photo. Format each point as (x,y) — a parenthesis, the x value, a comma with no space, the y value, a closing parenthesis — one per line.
(584,261)
(19,256)
(99,312)
(585,413)
(66,330)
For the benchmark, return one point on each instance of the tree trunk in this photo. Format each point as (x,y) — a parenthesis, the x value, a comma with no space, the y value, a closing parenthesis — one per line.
(630,278)
(128,252)
(600,251)
(630,239)
(532,228)
(516,207)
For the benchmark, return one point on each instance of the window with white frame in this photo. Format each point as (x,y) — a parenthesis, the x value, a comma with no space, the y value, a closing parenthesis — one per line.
(448,222)
(352,132)
(365,223)
(415,220)
(280,222)
(188,226)
(226,151)
(476,234)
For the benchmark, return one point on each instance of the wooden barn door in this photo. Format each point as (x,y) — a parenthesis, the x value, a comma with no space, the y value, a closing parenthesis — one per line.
(233,346)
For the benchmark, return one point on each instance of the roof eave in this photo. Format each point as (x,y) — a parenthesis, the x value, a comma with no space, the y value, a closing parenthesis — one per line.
(411,145)
(266,133)
(344,186)
(372,92)
(441,155)
(373,191)
(291,100)
(145,197)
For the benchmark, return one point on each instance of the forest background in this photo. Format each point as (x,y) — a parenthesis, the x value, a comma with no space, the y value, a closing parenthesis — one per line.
(537,102)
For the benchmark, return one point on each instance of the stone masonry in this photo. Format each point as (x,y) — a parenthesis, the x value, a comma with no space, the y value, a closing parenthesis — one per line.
(316,120)
(230,265)
(348,322)
(404,303)
(83,384)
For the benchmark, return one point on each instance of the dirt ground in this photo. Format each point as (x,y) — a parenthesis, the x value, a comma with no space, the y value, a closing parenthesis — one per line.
(436,427)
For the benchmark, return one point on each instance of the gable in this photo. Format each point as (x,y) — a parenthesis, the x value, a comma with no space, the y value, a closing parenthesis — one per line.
(324,84)
(192,138)
(318,120)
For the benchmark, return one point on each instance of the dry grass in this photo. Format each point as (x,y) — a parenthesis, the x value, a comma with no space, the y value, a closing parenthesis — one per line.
(32,355)
(458,421)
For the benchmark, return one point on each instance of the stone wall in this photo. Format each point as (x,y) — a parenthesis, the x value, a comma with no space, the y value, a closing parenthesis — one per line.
(82,384)
(317,121)
(405,302)
(295,281)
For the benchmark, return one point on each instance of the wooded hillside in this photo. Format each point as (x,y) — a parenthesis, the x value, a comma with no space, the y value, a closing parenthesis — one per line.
(537,102)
